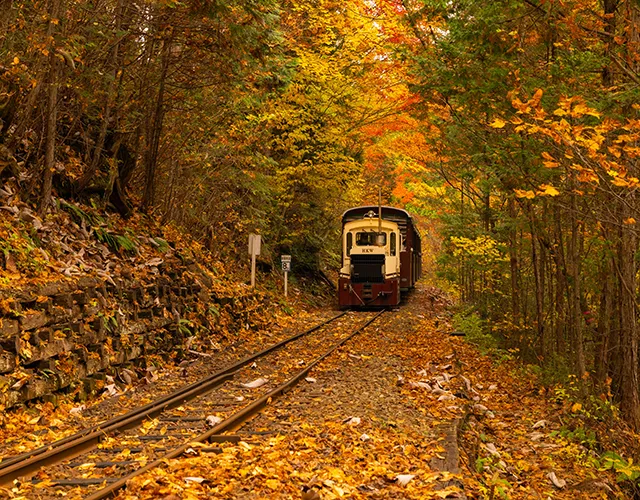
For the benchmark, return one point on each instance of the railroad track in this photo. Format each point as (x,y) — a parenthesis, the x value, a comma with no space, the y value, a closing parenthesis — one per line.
(102,458)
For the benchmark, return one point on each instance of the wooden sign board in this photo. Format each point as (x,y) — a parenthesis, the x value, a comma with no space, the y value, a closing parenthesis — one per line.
(255,241)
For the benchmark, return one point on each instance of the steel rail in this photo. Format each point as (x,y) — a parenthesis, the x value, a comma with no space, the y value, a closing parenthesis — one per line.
(230,423)
(86,439)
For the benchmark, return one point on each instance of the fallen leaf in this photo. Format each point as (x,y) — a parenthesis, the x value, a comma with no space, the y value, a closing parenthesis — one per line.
(213,420)
(198,480)
(403,479)
(540,424)
(352,420)
(491,448)
(77,410)
(557,482)
(255,383)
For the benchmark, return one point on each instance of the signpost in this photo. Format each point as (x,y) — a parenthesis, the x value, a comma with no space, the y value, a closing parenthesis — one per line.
(254,250)
(286,267)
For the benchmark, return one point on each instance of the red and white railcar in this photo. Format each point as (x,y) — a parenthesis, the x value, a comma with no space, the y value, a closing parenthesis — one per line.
(381,256)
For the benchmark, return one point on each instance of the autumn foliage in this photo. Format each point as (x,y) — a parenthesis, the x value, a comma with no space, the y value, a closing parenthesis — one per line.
(510,128)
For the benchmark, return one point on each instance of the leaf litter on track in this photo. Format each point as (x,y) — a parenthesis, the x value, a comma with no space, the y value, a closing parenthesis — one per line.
(369,427)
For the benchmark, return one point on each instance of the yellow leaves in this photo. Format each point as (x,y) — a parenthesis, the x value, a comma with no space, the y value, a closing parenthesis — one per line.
(273,484)
(543,190)
(334,473)
(630,221)
(547,190)
(582,109)
(34,420)
(16,61)
(521,193)
(498,123)
(450,492)
(483,248)
(620,182)
(576,408)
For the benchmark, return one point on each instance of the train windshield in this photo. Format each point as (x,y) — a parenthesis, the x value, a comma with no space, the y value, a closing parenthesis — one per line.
(367,239)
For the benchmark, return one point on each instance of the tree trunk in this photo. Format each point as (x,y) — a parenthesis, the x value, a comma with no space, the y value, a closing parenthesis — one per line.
(51,112)
(535,258)
(576,321)
(88,175)
(513,263)
(630,402)
(603,337)
(155,132)
(610,7)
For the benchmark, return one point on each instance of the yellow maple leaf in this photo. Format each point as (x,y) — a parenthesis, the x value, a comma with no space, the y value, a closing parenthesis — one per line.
(548,190)
(521,193)
(497,123)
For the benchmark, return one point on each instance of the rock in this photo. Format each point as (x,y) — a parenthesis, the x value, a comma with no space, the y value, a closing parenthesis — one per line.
(7,361)
(8,327)
(32,320)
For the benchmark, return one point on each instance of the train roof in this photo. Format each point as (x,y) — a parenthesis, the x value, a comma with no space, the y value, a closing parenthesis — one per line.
(388,213)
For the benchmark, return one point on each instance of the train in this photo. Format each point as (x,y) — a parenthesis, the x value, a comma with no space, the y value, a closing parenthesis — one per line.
(381,257)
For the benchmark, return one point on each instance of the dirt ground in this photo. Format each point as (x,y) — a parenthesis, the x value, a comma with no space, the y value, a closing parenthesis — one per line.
(405,410)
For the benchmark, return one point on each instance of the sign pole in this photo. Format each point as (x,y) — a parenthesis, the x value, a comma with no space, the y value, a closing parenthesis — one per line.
(253,270)
(254,250)
(286,267)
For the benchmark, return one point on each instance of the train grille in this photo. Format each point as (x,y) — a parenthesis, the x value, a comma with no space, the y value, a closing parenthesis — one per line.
(367,268)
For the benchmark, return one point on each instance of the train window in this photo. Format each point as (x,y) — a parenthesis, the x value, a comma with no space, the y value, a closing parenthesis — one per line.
(349,243)
(367,239)
(392,244)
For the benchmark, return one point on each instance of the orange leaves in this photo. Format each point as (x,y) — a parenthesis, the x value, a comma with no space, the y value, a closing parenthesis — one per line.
(586,174)
(531,104)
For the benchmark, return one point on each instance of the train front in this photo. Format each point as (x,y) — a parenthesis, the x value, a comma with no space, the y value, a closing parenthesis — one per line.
(370,273)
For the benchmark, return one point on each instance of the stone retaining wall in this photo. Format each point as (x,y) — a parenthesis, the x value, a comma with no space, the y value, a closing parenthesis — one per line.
(70,334)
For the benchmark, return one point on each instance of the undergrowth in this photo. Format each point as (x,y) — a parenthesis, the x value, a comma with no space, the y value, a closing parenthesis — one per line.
(588,419)
(476,330)
(115,241)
